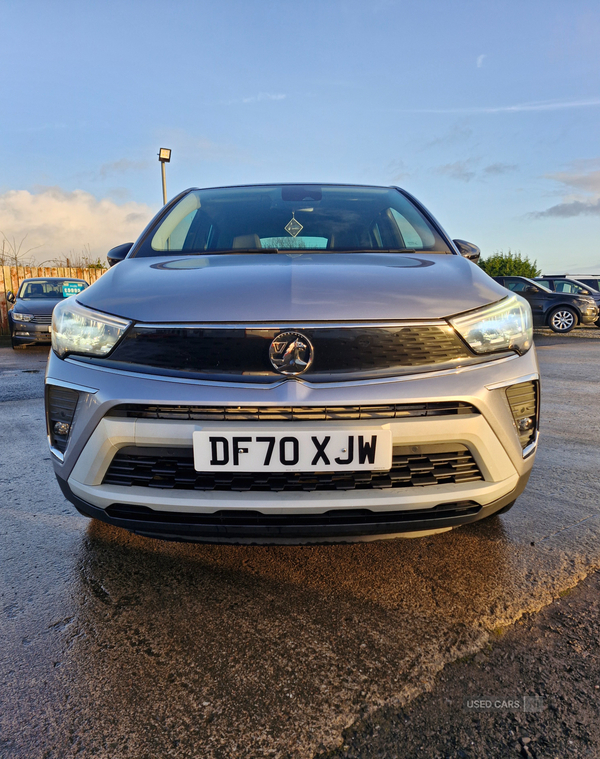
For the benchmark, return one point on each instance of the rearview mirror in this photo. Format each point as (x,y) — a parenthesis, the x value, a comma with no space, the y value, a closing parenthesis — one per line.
(117,254)
(10,296)
(468,250)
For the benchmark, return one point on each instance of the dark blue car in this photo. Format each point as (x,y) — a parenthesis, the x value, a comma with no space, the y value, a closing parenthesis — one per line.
(30,318)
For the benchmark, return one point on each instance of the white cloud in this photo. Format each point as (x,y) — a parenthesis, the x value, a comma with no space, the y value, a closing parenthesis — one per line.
(544,105)
(480,60)
(261,97)
(197,147)
(264,96)
(123,166)
(457,133)
(586,180)
(500,168)
(463,171)
(58,222)
(583,177)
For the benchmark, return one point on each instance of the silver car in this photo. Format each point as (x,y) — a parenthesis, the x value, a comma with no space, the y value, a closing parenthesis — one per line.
(291,364)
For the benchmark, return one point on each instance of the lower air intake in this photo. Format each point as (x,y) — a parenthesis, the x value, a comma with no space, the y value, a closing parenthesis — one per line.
(173,469)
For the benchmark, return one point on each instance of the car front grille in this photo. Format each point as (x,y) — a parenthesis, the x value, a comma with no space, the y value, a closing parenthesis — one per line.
(42,319)
(293,413)
(242,353)
(173,469)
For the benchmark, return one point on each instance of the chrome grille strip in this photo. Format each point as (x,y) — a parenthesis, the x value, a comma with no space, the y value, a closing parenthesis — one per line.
(293,413)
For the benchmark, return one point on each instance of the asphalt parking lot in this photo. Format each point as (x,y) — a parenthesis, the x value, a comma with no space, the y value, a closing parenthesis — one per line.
(119,646)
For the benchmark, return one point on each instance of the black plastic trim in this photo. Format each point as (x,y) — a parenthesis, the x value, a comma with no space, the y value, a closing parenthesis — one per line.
(295,528)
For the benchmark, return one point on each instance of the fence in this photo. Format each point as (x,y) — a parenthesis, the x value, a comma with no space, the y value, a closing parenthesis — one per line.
(12,276)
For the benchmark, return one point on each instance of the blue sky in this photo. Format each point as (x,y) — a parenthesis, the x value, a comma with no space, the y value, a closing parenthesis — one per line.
(488,112)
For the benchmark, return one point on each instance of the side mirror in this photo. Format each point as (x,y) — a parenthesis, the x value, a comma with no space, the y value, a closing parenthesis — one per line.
(468,250)
(584,292)
(531,289)
(119,253)
(10,296)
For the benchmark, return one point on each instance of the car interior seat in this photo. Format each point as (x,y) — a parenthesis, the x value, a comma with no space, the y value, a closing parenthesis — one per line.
(246,241)
(35,291)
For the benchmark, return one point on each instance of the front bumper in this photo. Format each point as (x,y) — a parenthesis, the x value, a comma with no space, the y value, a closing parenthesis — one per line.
(291,528)
(26,333)
(589,316)
(226,516)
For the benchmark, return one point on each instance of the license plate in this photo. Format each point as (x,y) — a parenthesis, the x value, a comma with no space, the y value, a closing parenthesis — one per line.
(321,451)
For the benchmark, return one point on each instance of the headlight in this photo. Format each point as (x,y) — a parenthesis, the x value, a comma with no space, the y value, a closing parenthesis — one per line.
(506,325)
(76,329)
(21,317)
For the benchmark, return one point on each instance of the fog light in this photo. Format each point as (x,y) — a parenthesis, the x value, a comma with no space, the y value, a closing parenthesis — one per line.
(61,403)
(61,428)
(523,399)
(526,424)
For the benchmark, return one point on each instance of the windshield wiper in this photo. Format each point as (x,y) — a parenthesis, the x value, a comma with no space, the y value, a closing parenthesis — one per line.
(370,250)
(284,251)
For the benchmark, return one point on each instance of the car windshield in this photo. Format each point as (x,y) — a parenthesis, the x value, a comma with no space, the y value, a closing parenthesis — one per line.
(50,289)
(293,218)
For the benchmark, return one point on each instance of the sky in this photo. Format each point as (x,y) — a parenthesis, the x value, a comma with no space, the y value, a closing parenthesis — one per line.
(488,112)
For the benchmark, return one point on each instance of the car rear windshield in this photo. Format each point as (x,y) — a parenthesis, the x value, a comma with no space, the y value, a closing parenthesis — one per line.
(50,289)
(292,218)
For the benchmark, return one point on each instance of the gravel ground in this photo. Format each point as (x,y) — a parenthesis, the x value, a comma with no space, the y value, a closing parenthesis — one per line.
(553,655)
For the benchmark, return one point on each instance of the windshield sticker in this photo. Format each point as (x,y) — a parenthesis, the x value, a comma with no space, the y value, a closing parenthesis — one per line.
(293,227)
(72,288)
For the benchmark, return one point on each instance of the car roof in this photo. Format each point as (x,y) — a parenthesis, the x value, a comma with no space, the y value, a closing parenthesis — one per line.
(294,184)
(570,276)
(53,279)
(513,276)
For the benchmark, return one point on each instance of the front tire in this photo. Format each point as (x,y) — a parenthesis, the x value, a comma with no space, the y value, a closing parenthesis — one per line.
(562,320)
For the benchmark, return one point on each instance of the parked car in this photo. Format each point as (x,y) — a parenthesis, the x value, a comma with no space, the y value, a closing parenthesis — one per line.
(570,285)
(558,310)
(589,280)
(289,364)
(30,318)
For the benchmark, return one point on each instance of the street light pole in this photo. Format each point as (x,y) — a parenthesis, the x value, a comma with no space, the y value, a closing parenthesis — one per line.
(164,156)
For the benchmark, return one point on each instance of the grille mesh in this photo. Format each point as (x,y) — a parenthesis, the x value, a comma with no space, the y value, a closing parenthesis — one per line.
(42,319)
(174,469)
(293,413)
(242,353)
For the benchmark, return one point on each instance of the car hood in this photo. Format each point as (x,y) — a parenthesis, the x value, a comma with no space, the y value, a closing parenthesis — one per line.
(41,307)
(291,287)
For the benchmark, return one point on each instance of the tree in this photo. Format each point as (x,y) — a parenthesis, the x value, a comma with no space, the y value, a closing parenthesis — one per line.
(510,264)
(12,253)
(75,260)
